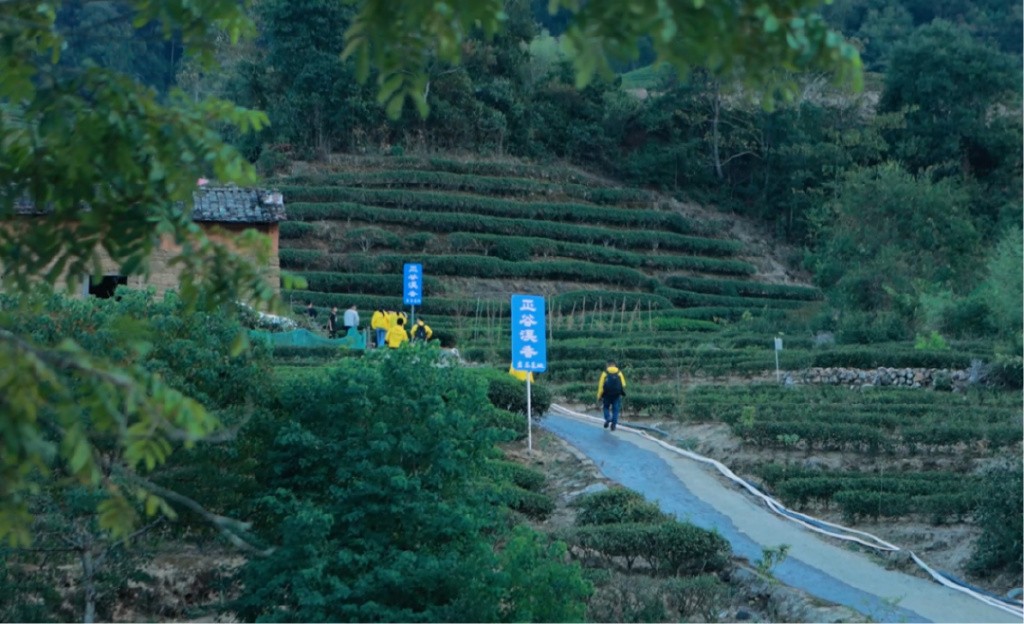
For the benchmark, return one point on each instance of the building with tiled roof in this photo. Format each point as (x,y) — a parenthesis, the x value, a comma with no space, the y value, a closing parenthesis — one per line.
(222,211)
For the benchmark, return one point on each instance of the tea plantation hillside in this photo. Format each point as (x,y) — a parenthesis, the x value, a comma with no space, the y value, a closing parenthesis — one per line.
(626,273)
(679,302)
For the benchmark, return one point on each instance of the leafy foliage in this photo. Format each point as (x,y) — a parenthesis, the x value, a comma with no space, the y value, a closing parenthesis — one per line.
(1000,501)
(110,167)
(372,487)
(131,409)
(756,38)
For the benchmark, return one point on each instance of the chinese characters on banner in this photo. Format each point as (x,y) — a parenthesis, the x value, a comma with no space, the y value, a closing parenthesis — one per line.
(529,344)
(412,284)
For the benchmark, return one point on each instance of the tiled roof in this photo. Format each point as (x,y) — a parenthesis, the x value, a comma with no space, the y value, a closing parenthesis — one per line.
(214,204)
(223,204)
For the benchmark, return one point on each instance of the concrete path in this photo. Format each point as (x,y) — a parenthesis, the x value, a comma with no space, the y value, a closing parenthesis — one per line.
(695,492)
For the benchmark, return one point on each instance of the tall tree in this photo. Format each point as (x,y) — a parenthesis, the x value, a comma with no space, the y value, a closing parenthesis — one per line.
(745,37)
(886,233)
(77,137)
(952,133)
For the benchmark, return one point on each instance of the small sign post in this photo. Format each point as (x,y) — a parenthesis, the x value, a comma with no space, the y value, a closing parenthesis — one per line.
(412,287)
(529,346)
(778,347)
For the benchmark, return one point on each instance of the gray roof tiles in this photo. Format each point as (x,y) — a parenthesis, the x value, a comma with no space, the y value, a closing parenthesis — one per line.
(232,204)
(214,204)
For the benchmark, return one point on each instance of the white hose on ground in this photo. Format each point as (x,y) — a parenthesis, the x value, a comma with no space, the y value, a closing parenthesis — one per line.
(804,520)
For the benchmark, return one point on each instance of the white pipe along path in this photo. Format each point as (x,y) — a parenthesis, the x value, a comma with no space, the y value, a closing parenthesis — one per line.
(826,569)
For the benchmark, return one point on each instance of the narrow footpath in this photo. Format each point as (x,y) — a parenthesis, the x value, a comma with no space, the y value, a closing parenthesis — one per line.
(697,493)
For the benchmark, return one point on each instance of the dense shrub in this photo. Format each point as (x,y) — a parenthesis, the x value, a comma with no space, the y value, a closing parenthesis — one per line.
(533,504)
(508,393)
(614,506)
(522,476)
(670,548)
(1000,501)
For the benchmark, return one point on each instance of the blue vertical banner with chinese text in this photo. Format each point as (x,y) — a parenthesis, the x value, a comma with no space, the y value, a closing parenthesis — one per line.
(529,343)
(412,284)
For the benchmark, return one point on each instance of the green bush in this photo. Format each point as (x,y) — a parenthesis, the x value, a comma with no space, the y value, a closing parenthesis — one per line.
(522,476)
(998,514)
(699,598)
(508,393)
(532,504)
(1007,372)
(616,505)
(670,548)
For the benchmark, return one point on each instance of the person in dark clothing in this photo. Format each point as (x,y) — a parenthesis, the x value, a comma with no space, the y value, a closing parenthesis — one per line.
(332,323)
(611,387)
(311,311)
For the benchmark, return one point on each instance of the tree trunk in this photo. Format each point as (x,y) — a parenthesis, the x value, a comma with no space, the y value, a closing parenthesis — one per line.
(88,581)
(716,109)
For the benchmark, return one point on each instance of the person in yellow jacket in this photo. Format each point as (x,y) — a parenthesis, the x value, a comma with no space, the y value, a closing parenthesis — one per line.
(520,375)
(379,324)
(611,387)
(420,331)
(397,334)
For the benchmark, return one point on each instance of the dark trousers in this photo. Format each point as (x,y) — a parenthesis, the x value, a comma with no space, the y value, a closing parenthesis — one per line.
(612,407)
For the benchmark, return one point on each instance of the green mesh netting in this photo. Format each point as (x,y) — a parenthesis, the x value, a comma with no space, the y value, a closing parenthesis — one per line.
(306,338)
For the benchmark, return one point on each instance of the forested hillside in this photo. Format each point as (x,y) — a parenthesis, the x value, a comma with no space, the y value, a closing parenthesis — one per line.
(935,135)
(905,198)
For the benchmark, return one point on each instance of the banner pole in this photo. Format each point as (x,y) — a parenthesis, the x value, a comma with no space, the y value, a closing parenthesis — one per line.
(529,416)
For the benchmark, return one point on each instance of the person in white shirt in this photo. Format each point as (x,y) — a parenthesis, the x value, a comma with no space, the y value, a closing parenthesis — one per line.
(351,319)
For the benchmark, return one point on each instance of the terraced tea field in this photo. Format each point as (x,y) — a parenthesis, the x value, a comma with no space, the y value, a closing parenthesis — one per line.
(679,301)
(627,273)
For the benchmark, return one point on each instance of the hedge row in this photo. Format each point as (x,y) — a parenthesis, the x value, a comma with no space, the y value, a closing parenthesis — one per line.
(562,304)
(364,283)
(489,206)
(507,248)
(840,436)
(669,548)
(822,489)
(488,185)
(522,476)
(483,266)
(616,505)
(775,473)
(446,222)
(737,288)
(685,299)
(857,504)
(522,248)
(557,173)
(887,417)
(773,393)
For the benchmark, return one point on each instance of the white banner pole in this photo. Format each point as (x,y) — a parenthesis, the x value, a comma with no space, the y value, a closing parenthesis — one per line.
(529,416)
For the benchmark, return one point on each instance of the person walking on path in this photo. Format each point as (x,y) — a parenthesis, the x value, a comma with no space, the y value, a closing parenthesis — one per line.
(421,332)
(397,334)
(379,324)
(611,387)
(351,319)
(332,322)
(311,311)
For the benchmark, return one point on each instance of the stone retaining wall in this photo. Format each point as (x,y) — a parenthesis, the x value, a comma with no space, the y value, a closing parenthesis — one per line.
(882,376)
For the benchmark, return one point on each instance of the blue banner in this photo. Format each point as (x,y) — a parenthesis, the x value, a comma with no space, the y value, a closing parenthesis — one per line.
(529,344)
(412,284)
